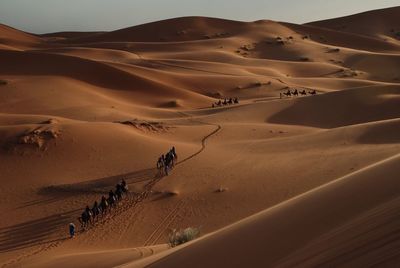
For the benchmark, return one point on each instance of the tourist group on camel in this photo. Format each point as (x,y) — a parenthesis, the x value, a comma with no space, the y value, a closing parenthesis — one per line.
(166,162)
(106,204)
(296,93)
(91,215)
(224,102)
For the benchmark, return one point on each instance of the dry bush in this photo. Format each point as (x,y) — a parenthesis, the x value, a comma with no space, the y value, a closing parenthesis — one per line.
(179,237)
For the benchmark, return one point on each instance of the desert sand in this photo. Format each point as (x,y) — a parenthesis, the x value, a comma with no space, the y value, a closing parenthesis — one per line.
(274,181)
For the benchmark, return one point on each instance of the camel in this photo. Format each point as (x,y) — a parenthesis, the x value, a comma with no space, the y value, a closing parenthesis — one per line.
(84,219)
(287,93)
(95,211)
(118,192)
(104,205)
(112,201)
(313,92)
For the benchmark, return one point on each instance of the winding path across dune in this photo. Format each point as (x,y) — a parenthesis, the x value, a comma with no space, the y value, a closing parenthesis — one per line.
(203,144)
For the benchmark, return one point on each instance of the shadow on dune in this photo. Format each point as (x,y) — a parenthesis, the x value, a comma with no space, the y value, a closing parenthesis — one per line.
(342,108)
(35,232)
(39,201)
(101,185)
(384,132)
(45,230)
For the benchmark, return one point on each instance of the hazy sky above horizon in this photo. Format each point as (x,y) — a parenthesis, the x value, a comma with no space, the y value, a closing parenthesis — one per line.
(44,16)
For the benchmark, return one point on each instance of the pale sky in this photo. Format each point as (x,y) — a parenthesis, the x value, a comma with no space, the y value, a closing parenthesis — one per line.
(44,16)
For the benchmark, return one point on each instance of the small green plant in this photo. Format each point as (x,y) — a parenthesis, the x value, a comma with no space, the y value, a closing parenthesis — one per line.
(179,237)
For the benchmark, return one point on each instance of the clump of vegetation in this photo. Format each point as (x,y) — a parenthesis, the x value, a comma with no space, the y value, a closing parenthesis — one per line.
(183,32)
(257,84)
(348,73)
(221,190)
(220,34)
(38,137)
(179,237)
(145,125)
(336,61)
(248,47)
(216,35)
(279,40)
(3,82)
(304,59)
(333,50)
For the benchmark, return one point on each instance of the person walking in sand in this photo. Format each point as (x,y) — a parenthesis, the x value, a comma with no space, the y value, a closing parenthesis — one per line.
(72,230)
(174,155)
(124,186)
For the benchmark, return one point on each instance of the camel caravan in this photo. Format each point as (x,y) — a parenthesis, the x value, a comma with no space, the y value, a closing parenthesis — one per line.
(167,162)
(91,215)
(296,93)
(224,102)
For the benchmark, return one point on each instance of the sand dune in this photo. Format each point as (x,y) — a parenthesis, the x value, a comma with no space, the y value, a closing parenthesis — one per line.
(385,25)
(11,37)
(302,220)
(273,181)
(67,35)
(195,28)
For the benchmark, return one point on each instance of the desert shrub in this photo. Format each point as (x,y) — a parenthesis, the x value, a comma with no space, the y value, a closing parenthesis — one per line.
(248,47)
(333,50)
(181,32)
(179,237)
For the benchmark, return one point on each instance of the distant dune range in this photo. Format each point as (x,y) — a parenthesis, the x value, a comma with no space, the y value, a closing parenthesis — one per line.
(274,181)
